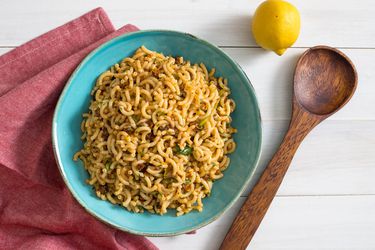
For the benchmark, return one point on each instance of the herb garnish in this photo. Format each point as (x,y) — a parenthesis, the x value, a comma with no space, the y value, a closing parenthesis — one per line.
(187,150)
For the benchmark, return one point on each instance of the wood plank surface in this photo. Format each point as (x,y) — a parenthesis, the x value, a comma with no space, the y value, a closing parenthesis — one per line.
(340,23)
(272,78)
(327,198)
(295,223)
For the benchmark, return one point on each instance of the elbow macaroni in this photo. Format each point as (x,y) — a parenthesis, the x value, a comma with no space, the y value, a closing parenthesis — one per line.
(157,133)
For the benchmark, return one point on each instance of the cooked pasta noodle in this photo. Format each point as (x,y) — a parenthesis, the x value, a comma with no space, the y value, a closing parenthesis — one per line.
(157,133)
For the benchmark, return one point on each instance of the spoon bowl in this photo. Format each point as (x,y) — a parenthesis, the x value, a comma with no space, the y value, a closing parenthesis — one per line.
(324,80)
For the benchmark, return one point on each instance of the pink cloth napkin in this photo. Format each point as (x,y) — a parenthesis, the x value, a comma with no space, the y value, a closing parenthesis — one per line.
(36,209)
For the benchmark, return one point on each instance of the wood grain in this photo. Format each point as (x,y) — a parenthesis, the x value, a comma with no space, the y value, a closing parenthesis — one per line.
(272,78)
(334,159)
(346,163)
(223,22)
(325,202)
(260,198)
(324,81)
(294,223)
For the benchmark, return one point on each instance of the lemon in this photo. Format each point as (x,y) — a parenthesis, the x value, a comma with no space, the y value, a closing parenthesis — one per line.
(276,25)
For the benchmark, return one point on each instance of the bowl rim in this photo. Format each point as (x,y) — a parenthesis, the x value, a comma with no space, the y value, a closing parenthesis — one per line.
(59,163)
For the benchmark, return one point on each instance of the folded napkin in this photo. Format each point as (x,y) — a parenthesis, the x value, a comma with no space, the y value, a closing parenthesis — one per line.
(36,209)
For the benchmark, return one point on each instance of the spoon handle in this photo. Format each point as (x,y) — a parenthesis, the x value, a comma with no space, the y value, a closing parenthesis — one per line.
(260,198)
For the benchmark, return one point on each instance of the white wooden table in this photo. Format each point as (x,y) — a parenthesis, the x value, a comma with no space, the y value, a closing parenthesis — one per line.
(327,199)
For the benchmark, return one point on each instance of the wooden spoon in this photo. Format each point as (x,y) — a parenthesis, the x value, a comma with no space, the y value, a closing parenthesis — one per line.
(324,81)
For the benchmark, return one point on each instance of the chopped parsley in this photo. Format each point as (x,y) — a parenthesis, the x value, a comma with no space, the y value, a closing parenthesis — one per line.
(185,151)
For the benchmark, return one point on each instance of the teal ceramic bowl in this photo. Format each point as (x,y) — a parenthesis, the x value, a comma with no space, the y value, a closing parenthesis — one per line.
(75,99)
